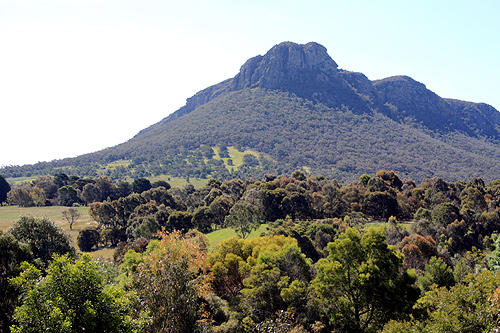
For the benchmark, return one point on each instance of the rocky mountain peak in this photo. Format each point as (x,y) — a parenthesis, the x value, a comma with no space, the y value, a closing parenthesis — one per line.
(307,71)
(283,63)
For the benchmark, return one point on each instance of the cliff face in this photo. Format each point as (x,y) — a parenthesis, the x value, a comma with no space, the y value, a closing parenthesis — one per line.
(413,99)
(284,65)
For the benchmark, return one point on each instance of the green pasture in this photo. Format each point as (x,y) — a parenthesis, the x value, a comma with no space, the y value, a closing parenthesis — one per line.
(403,225)
(218,235)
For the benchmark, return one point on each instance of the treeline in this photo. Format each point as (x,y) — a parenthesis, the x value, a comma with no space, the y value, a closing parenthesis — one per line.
(319,268)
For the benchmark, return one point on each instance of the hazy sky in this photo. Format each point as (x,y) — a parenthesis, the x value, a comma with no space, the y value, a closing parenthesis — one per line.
(77,76)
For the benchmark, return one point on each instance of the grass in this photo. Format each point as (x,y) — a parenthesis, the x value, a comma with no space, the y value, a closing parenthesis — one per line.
(403,225)
(179,182)
(21,180)
(219,235)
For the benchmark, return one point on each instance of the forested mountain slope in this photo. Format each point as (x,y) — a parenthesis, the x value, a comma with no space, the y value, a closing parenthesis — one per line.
(298,132)
(297,106)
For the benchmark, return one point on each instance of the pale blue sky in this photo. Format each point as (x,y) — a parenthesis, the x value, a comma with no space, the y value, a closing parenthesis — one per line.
(77,76)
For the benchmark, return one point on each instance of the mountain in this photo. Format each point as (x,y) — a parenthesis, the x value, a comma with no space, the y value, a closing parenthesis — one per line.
(296,107)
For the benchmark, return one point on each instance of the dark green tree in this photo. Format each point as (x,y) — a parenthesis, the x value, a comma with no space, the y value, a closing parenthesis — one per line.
(250,160)
(445,214)
(161,183)
(44,237)
(436,272)
(90,193)
(361,285)
(179,220)
(4,189)
(140,185)
(67,195)
(380,205)
(88,238)
(12,254)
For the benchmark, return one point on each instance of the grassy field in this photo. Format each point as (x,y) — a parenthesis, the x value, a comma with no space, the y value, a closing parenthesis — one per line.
(9,214)
(404,225)
(218,235)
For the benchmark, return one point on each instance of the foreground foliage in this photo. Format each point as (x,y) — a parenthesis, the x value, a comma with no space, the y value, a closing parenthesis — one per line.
(318,266)
(169,282)
(361,285)
(472,306)
(71,297)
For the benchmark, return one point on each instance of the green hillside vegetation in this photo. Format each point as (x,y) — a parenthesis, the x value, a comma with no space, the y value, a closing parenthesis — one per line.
(338,143)
(124,170)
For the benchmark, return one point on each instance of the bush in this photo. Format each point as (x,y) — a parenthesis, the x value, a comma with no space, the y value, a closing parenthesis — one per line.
(88,238)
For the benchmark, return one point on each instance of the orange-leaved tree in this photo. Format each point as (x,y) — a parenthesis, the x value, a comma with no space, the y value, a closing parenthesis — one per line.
(171,280)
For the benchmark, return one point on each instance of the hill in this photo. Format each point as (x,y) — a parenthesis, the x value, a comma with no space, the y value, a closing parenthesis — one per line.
(299,110)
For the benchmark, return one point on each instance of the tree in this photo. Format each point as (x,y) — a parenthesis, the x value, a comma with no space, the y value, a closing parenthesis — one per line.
(471,306)
(161,183)
(390,178)
(180,221)
(71,298)
(4,189)
(19,196)
(61,179)
(445,214)
(243,218)
(250,160)
(88,238)
(12,254)
(436,272)
(43,236)
(362,286)
(38,197)
(494,257)
(278,281)
(67,195)
(105,187)
(272,202)
(90,193)
(380,205)
(418,250)
(140,185)
(168,282)
(122,189)
(71,215)
(364,179)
